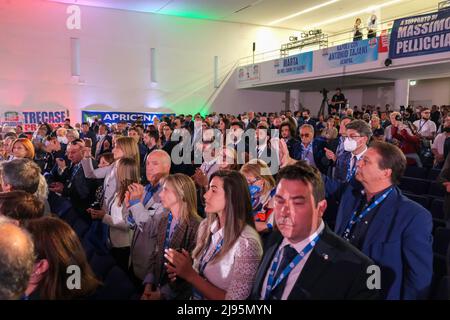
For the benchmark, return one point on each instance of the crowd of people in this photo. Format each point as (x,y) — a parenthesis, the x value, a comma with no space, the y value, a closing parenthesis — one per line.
(264,206)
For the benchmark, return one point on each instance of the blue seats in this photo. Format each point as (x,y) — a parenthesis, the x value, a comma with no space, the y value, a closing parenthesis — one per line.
(437,209)
(414,185)
(416,172)
(436,189)
(116,286)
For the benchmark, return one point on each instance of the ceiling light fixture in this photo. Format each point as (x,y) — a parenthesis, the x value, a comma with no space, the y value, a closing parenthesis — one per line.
(355,13)
(303,12)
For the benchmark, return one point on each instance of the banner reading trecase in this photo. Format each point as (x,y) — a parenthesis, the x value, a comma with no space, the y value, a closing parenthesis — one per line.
(114,117)
(420,35)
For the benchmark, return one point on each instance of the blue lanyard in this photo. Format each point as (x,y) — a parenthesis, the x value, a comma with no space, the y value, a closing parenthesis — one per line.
(167,239)
(202,264)
(285,273)
(307,151)
(357,218)
(150,192)
(351,171)
(74,172)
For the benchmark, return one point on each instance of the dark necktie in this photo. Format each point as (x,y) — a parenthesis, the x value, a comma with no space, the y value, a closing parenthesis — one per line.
(289,254)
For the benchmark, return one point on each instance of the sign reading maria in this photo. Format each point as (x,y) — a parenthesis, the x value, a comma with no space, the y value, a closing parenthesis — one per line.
(420,35)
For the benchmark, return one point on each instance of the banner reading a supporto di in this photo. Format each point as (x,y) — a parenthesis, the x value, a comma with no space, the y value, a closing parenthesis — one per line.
(110,117)
(300,63)
(355,52)
(420,35)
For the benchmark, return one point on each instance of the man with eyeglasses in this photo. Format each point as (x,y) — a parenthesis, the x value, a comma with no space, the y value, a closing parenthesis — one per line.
(311,150)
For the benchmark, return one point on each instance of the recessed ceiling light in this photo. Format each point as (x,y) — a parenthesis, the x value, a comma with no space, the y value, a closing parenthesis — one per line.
(303,12)
(355,13)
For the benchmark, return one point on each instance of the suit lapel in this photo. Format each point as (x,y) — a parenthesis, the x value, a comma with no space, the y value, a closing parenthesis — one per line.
(265,263)
(382,219)
(347,207)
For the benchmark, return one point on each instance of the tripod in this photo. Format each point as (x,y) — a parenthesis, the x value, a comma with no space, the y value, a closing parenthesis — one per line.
(322,106)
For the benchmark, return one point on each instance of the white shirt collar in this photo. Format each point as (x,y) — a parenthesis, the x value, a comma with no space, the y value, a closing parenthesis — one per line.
(359,156)
(216,232)
(299,246)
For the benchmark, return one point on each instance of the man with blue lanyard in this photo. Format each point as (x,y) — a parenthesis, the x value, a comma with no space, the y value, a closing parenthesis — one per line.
(305,259)
(391,229)
(145,209)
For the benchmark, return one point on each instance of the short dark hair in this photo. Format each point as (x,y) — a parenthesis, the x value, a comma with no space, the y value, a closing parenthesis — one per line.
(307,174)
(153,134)
(21,174)
(291,128)
(307,111)
(238,123)
(21,205)
(391,157)
(361,127)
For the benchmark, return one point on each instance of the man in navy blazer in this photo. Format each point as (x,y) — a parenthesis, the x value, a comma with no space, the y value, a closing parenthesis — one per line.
(304,259)
(395,232)
(311,150)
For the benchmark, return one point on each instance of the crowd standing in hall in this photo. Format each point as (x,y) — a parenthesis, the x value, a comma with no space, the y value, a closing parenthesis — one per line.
(270,206)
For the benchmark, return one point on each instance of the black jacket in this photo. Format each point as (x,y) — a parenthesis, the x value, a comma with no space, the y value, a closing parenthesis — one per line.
(334,270)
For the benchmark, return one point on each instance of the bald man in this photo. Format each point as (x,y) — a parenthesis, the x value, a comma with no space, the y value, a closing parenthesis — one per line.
(16,259)
(144,203)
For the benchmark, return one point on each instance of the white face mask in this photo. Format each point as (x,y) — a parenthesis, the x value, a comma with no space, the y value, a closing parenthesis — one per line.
(245,121)
(62,140)
(349,145)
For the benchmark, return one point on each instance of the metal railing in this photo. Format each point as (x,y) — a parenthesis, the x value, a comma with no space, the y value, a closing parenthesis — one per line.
(342,37)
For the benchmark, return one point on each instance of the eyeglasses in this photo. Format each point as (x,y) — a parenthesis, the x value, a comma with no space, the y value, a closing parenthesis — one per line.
(306,135)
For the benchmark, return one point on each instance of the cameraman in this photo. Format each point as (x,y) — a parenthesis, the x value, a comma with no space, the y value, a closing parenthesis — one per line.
(403,134)
(337,101)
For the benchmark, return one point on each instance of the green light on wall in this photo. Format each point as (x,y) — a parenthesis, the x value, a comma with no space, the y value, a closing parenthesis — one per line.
(190,15)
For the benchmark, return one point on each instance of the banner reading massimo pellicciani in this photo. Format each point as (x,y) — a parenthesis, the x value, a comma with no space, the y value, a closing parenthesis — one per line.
(420,35)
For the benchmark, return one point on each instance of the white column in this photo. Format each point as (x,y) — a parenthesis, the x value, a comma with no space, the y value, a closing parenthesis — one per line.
(401,93)
(295,100)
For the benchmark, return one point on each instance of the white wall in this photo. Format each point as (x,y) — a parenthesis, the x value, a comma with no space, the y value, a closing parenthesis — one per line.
(115,63)
(437,91)
(233,101)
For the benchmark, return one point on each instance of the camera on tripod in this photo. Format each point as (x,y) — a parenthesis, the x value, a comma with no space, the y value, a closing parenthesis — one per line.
(324,92)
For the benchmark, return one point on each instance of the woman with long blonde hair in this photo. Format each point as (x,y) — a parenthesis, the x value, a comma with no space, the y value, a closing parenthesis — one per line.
(176,228)
(124,147)
(115,216)
(228,249)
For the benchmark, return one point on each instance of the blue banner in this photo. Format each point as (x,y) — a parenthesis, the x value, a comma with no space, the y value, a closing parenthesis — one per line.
(300,63)
(355,52)
(420,35)
(110,117)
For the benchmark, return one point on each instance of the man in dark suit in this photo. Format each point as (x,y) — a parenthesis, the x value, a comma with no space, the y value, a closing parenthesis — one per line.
(71,182)
(306,118)
(287,132)
(305,259)
(87,132)
(377,218)
(312,150)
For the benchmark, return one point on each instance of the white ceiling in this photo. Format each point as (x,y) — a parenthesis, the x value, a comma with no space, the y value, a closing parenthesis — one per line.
(263,12)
